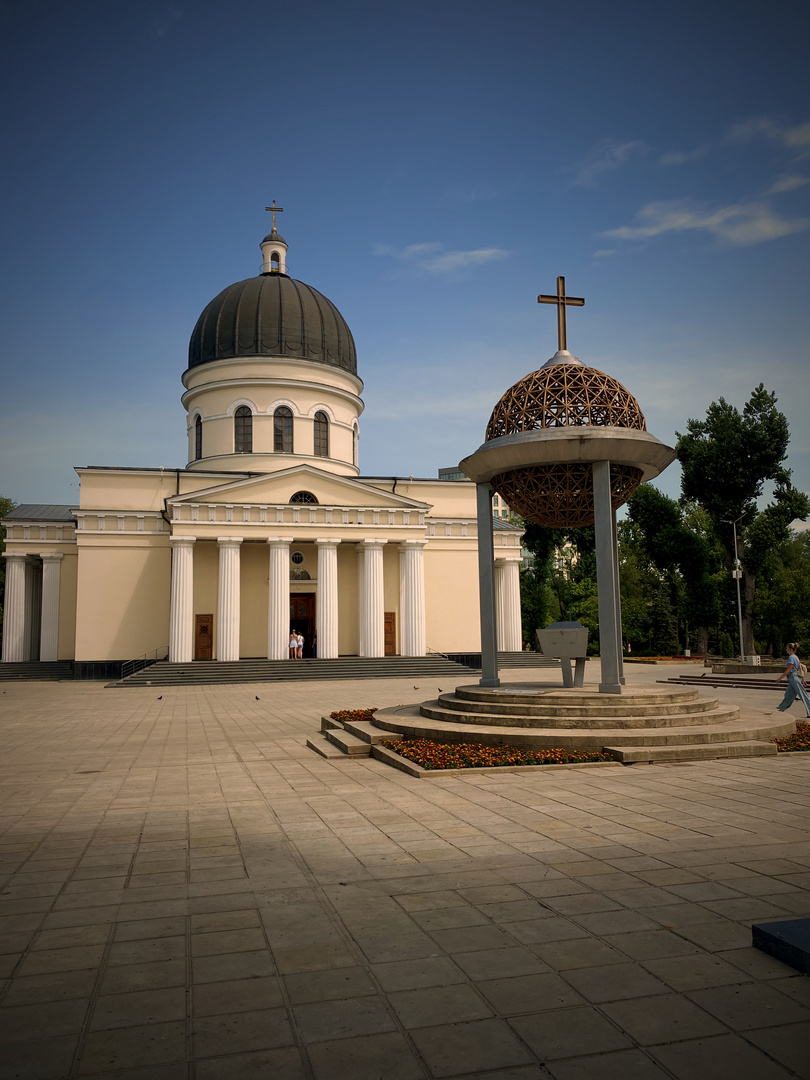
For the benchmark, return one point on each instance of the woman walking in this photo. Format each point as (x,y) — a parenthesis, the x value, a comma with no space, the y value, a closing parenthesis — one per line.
(795,683)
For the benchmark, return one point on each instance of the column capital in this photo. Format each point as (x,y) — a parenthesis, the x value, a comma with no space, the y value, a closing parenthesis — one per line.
(322,541)
(278,541)
(232,541)
(22,555)
(371,543)
(51,556)
(412,545)
(179,541)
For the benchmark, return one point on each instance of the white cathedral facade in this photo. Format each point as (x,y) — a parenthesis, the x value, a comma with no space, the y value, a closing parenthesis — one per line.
(269,527)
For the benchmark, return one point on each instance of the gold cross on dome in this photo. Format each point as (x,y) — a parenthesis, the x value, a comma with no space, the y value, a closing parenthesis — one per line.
(275,210)
(561,300)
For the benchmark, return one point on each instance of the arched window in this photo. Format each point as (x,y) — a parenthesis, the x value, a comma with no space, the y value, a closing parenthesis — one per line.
(321,434)
(304,497)
(274,260)
(283,430)
(198,438)
(243,430)
(354,445)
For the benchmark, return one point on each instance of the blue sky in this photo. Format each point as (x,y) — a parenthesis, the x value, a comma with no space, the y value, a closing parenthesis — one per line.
(439,164)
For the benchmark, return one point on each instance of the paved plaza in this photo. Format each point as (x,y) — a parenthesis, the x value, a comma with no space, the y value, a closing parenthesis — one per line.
(188,892)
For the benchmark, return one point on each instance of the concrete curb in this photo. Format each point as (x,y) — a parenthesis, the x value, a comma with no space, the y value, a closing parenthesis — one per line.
(390,757)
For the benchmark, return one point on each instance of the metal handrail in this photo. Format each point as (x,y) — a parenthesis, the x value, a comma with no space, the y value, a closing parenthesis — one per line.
(129,667)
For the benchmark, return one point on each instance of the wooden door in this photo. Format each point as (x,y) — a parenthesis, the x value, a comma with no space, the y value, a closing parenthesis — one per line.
(302,617)
(390,633)
(203,637)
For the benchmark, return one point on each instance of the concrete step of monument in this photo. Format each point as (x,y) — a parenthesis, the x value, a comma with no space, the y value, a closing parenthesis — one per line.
(321,745)
(543,704)
(551,718)
(407,720)
(739,682)
(347,743)
(518,693)
(328,724)
(691,752)
(366,730)
(47,670)
(165,673)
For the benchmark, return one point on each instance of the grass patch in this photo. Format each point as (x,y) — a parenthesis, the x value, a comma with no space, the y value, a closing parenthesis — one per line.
(435,755)
(352,715)
(799,741)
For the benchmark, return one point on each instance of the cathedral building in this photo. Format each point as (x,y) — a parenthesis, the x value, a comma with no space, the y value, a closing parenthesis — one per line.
(269,527)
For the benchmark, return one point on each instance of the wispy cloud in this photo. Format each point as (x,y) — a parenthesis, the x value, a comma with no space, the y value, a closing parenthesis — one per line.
(792,136)
(607,155)
(787,183)
(683,157)
(742,223)
(431,258)
(604,253)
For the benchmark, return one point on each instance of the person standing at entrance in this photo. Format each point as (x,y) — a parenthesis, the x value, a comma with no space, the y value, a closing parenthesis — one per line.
(293,644)
(795,682)
(299,642)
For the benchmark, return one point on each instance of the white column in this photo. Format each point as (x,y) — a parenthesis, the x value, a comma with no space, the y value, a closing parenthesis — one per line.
(228,607)
(278,600)
(373,615)
(361,600)
(14,610)
(412,597)
(507,601)
(49,623)
(326,619)
(181,609)
(500,612)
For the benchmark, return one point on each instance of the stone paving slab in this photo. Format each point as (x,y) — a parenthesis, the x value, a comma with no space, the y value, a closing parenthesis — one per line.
(188,893)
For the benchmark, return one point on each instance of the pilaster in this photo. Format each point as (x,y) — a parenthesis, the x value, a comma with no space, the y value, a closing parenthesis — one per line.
(373,615)
(412,597)
(14,610)
(326,619)
(278,600)
(228,606)
(49,622)
(181,610)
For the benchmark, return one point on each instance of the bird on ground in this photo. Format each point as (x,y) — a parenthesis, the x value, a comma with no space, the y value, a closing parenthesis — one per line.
(160,698)
(257,697)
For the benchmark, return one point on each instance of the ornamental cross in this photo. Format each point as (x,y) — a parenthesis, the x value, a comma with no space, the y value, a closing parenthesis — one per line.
(561,300)
(275,210)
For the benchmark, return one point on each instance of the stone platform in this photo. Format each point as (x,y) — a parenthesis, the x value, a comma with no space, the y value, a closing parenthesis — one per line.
(643,724)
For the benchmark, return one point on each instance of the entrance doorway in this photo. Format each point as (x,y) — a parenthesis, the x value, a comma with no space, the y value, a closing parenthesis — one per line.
(302,618)
(390,625)
(203,637)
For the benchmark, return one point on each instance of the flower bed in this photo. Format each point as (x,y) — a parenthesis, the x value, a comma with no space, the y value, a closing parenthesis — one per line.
(799,741)
(436,755)
(352,715)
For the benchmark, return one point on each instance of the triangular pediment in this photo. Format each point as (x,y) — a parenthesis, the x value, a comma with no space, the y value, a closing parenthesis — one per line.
(277,488)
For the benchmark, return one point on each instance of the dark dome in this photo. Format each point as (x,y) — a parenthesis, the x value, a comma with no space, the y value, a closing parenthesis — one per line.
(272,315)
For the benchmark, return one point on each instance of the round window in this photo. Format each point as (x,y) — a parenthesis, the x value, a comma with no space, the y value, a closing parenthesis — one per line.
(297,557)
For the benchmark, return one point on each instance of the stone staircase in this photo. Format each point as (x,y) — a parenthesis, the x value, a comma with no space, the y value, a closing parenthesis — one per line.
(49,670)
(640,725)
(210,672)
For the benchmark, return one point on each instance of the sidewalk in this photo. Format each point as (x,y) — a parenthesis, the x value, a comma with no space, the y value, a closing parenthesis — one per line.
(188,892)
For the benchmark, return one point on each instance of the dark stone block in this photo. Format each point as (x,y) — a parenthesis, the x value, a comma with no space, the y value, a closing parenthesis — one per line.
(787,940)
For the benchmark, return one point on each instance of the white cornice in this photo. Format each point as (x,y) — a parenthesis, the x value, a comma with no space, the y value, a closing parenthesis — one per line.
(304,365)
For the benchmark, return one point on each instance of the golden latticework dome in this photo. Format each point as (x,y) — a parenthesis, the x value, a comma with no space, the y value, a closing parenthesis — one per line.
(564,395)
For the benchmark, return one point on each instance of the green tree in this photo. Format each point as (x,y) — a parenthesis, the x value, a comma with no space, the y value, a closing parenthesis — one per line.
(726,460)
(6,506)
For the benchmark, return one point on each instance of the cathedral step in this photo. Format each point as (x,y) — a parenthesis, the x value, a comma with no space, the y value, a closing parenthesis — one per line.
(37,670)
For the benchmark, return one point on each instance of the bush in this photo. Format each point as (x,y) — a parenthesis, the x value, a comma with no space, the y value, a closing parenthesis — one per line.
(726,645)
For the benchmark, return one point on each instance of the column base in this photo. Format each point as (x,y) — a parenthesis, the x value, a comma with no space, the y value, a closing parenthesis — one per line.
(610,688)
(489,682)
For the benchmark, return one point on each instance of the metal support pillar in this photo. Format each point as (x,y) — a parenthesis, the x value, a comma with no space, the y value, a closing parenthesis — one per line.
(486,586)
(607,582)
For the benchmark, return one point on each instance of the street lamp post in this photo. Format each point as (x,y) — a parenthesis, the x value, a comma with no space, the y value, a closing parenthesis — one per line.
(736,573)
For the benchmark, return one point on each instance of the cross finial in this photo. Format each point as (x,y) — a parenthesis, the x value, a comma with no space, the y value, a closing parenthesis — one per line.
(561,300)
(275,210)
